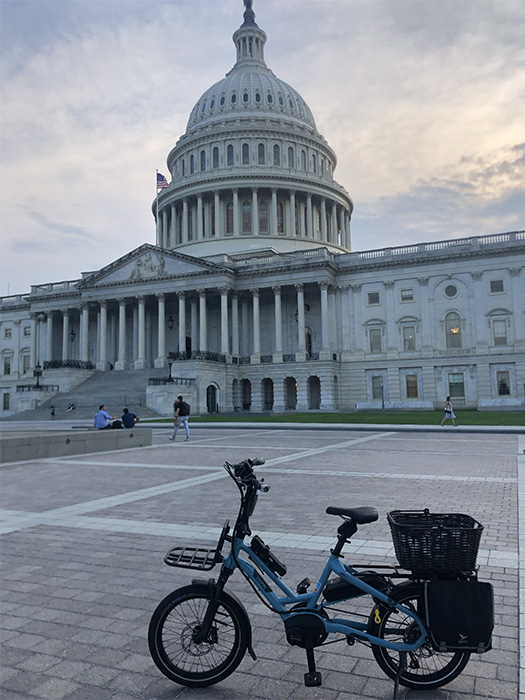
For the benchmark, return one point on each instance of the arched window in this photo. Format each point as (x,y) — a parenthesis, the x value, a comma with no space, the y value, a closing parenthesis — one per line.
(276,155)
(245,97)
(263,216)
(291,158)
(303,160)
(257,97)
(322,166)
(453,330)
(280,217)
(246,216)
(229,155)
(233,99)
(183,167)
(229,217)
(216,157)
(314,163)
(203,161)
(192,164)
(261,156)
(245,154)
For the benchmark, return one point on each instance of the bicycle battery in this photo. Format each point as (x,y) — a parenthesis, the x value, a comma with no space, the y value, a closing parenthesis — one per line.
(339,589)
(262,550)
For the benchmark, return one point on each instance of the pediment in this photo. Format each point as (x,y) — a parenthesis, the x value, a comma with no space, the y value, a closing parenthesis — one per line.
(147,263)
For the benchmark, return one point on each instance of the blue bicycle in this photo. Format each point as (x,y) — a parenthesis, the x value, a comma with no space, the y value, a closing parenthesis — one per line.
(424,623)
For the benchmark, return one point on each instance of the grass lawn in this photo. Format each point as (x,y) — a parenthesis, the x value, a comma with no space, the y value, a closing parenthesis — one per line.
(465,417)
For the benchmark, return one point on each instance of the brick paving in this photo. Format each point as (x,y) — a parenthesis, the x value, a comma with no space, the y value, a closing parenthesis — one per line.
(84,539)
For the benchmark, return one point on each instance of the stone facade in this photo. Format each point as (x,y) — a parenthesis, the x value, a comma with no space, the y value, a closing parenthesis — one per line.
(251,295)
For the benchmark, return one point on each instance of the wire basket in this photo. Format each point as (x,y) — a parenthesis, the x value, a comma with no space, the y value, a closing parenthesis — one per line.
(435,542)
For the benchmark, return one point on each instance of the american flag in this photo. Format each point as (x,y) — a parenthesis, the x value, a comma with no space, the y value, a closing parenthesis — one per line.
(162,183)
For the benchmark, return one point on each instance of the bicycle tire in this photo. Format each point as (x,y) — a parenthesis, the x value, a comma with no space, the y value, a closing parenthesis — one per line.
(427,668)
(171,630)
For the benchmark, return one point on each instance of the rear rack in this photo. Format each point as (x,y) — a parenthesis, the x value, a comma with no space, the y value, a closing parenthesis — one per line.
(202,558)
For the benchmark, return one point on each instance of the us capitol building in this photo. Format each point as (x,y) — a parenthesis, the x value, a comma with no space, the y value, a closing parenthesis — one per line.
(250,298)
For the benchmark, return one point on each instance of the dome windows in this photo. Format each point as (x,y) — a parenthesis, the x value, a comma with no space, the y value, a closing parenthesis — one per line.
(291,105)
(233,98)
(276,155)
(203,161)
(203,107)
(245,97)
(215,156)
(245,154)
(229,155)
(222,101)
(192,164)
(212,104)
(261,154)
(258,97)
(269,98)
(281,100)
(291,158)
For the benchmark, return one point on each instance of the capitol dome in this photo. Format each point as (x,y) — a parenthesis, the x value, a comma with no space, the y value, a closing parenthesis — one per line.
(251,171)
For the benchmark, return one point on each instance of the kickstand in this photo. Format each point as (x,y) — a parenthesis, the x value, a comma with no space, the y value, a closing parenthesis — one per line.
(402,667)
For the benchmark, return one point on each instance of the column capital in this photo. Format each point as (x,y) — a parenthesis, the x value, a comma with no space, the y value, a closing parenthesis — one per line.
(276,290)
(64,312)
(423,281)
(235,294)
(389,284)
(293,192)
(254,190)
(216,193)
(103,304)
(344,288)
(356,288)
(476,275)
(235,190)
(274,190)
(324,285)
(224,291)
(515,271)
(140,298)
(181,295)
(121,301)
(201,293)
(255,292)
(299,287)
(160,296)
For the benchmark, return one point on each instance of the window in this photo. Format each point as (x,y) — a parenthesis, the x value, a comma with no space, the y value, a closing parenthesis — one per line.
(496,287)
(25,364)
(451,291)
(303,160)
(453,330)
(500,332)
(192,164)
(245,97)
(229,217)
(212,105)
(222,101)
(269,98)
(291,158)
(276,155)
(503,383)
(281,100)
(183,167)
(245,154)
(261,156)
(257,97)
(409,338)
(407,295)
(373,298)
(263,216)
(375,340)
(314,163)
(7,365)
(203,161)
(456,385)
(280,217)
(246,216)
(233,99)
(229,155)
(215,157)
(8,332)
(5,402)
(377,388)
(411,386)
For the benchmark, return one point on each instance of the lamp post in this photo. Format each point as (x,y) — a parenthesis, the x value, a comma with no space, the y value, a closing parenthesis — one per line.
(169,366)
(170,322)
(72,335)
(37,372)
(382,397)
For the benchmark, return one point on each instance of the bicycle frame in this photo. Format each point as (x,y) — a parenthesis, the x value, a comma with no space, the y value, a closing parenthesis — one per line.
(310,601)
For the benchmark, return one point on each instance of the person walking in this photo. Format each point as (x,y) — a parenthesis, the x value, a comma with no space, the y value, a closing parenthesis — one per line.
(180,419)
(449,413)
(53,412)
(103,420)
(129,419)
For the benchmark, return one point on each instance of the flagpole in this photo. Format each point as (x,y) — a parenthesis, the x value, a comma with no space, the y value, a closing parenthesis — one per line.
(157,198)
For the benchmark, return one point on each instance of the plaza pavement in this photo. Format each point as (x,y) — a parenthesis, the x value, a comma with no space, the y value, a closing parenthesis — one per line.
(83,541)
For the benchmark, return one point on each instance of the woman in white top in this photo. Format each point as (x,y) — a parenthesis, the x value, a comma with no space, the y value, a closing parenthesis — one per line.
(449,412)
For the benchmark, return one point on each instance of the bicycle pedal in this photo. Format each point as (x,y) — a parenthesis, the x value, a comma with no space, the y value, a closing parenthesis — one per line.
(313,679)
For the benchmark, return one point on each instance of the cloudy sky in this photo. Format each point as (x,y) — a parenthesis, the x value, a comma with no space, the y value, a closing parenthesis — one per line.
(422,100)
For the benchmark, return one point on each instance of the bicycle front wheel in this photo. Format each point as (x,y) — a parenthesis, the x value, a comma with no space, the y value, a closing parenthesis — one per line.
(175,625)
(426,667)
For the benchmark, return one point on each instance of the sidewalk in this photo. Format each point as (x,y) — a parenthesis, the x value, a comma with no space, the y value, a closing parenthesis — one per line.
(83,541)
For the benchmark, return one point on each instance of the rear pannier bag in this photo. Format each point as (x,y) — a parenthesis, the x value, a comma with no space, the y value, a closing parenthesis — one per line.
(460,615)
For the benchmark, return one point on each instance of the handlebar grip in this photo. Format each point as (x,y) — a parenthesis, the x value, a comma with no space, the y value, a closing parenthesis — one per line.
(257,461)
(264,488)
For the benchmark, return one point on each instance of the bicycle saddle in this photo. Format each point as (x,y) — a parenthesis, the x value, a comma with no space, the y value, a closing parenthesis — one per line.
(363,515)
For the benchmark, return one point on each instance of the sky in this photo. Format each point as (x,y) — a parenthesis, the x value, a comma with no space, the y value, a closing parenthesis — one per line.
(422,101)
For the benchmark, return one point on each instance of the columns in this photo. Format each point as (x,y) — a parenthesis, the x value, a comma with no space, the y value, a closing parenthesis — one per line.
(346,347)
(426,338)
(255,212)
(121,361)
(391,346)
(235,324)
(323,219)
(225,344)
(161,331)
(165,227)
(218,228)
(300,355)
(65,335)
(477,322)
(103,337)
(348,241)
(335,237)
(194,325)
(256,356)
(278,350)
(309,217)
(244,321)
(342,225)
(203,322)
(182,321)
(140,362)
(185,220)
(235,212)
(273,224)
(325,325)
(199,217)
(34,333)
(293,223)
(358,323)
(84,334)
(172,239)
(49,336)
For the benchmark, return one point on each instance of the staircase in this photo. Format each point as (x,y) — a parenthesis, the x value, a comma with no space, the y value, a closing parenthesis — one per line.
(115,389)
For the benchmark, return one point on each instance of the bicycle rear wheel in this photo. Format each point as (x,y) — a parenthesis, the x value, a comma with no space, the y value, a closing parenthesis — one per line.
(173,628)
(426,667)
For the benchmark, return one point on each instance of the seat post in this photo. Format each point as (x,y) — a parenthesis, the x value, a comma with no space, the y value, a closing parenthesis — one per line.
(345,531)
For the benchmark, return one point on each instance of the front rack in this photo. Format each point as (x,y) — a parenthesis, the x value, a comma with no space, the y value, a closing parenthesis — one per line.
(201,558)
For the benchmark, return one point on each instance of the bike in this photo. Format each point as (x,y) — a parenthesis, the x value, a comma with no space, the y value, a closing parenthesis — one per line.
(428,614)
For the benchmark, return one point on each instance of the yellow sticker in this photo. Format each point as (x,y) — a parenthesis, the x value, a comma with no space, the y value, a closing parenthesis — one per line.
(377,618)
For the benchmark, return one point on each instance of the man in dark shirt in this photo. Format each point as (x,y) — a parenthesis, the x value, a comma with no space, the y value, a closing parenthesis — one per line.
(129,419)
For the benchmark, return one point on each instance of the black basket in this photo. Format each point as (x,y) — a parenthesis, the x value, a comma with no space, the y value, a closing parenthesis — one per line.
(201,558)
(435,542)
